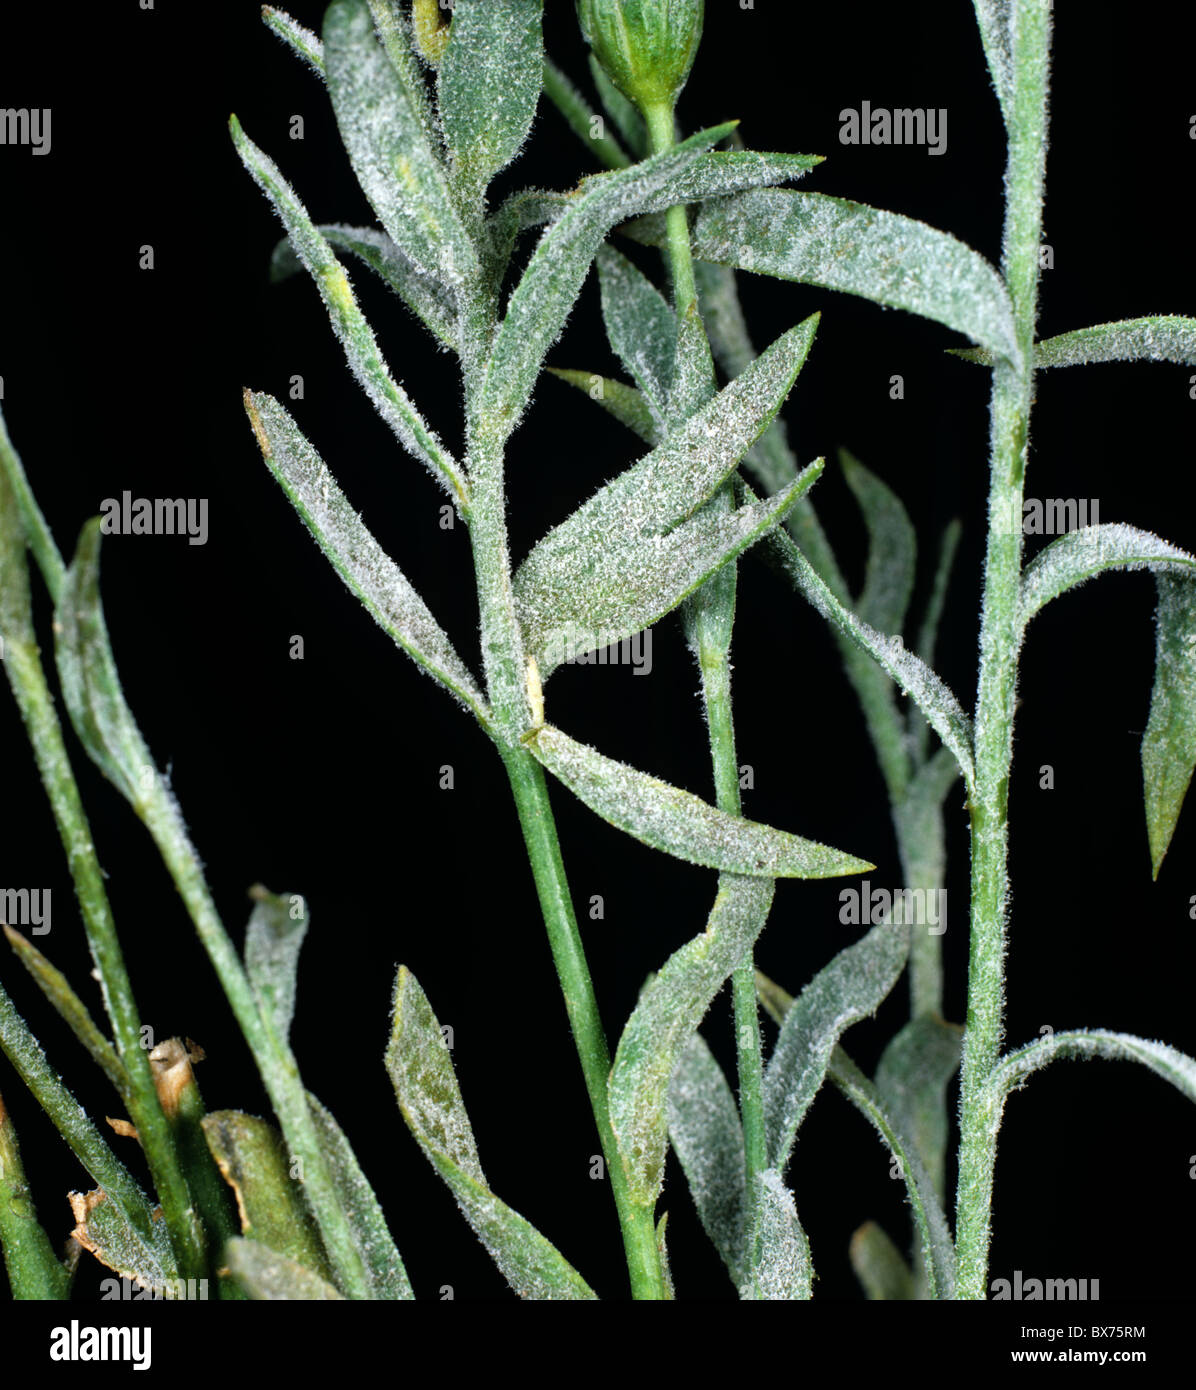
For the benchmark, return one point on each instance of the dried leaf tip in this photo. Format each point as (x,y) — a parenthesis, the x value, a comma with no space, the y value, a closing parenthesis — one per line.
(263,442)
(171,1064)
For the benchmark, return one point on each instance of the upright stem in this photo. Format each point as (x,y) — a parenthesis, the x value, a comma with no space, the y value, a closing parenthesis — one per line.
(662,136)
(1000,638)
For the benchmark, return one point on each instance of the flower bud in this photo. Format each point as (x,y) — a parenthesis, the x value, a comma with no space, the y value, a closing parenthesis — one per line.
(646,46)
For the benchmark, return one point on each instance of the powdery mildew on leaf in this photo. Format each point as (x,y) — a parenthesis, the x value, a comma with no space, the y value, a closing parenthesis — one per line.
(995,19)
(488,84)
(892,548)
(273,941)
(101,1229)
(355,334)
(668,1012)
(395,162)
(379,1255)
(356,556)
(779,1268)
(840,245)
(641,327)
(850,988)
(1169,743)
(680,823)
(624,402)
(707,1137)
(1167,1062)
(1162,338)
(912,1078)
(268,1276)
(1091,550)
(421,1070)
(297,37)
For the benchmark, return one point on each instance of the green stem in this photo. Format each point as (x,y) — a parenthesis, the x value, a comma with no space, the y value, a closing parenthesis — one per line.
(34,1271)
(999,642)
(568,954)
(662,137)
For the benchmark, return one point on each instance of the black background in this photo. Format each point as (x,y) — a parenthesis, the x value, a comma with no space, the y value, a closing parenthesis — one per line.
(321,776)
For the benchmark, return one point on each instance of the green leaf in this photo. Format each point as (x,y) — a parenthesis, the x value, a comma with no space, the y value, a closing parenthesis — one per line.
(779,1268)
(662,1251)
(354,553)
(395,162)
(273,940)
(103,1229)
(995,20)
(1169,743)
(626,519)
(624,402)
(265,1274)
(847,990)
(356,336)
(610,594)
(429,301)
(641,327)
(942,710)
(253,1159)
(34,1271)
(1155,338)
(669,1010)
(1015,1068)
(680,823)
(581,118)
(707,1137)
(912,1077)
(938,1248)
(627,120)
(929,629)
(379,1254)
(692,381)
(892,549)
(545,295)
(21,524)
(421,1070)
(840,245)
(488,84)
(70,1008)
(879,1265)
(296,36)
(1083,554)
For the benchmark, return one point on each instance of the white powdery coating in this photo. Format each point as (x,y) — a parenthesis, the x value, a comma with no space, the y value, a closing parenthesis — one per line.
(667,485)
(1169,743)
(614,591)
(640,325)
(488,85)
(847,990)
(707,1138)
(840,245)
(273,941)
(995,20)
(1158,338)
(1089,551)
(1087,1043)
(421,1070)
(355,554)
(367,1225)
(394,161)
(914,1072)
(110,1238)
(892,548)
(680,823)
(781,1270)
(666,1016)
(271,1277)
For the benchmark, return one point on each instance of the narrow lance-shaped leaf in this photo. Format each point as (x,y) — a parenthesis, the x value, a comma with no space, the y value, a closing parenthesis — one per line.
(778,1266)
(266,1275)
(850,988)
(488,84)
(929,630)
(942,710)
(912,1078)
(640,325)
(680,823)
(995,18)
(669,1010)
(34,1271)
(589,128)
(1169,743)
(355,555)
(1083,554)
(629,516)
(421,1070)
(627,120)
(839,245)
(879,1266)
(1154,338)
(395,162)
(1169,1063)
(379,1254)
(270,1201)
(892,548)
(430,302)
(297,37)
(707,1137)
(938,1249)
(273,940)
(356,336)
(70,1008)
(624,402)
